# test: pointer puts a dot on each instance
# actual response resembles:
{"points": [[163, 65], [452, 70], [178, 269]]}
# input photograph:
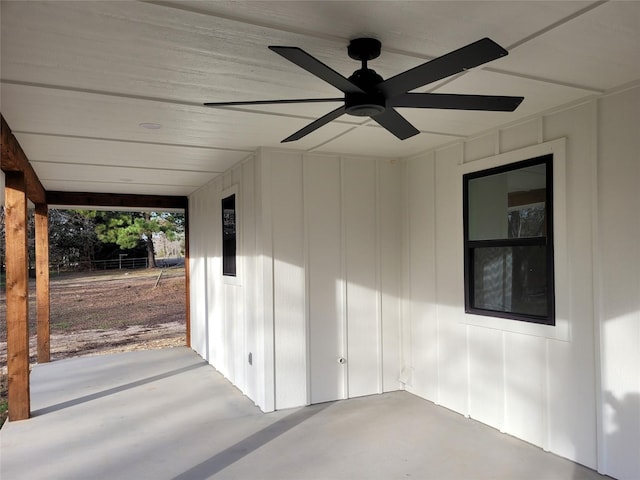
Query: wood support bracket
{"points": [[13, 159]]}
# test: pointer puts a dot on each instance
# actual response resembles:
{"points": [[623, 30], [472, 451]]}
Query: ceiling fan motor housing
{"points": [[364, 104], [369, 103]]}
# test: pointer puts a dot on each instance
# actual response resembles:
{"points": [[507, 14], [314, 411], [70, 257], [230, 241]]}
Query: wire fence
{"points": [[122, 263]]}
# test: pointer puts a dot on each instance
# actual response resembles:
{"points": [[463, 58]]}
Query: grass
{"points": [[4, 404], [64, 325], [4, 409]]}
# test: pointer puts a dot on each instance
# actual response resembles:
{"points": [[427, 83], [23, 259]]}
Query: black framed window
{"points": [[508, 241], [229, 235]]}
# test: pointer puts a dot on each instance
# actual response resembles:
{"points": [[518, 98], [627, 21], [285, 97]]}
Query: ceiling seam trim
{"points": [[516, 75], [544, 80], [150, 99], [130, 167], [371, 123], [130, 96], [128, 184], [332, 138], [119, 140], [276, 114]]}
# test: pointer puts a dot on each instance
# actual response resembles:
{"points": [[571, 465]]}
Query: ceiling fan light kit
{"points": [[367, 94]]}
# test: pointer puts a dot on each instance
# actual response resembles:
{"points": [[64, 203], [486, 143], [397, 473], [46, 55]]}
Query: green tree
{"points": [[131, 229], [72, 238]]}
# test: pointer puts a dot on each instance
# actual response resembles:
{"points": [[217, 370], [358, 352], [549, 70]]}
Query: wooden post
{"points": [[17, 295], [42, 282], [187, 285]]}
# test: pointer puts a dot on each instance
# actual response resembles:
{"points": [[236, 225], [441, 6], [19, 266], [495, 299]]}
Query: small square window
{"points": [[508, 228]]}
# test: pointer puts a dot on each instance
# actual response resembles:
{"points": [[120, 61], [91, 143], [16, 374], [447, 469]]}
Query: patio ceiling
{"points": [[79, 78]]}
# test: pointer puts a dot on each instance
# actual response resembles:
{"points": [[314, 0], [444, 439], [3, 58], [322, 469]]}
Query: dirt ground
{"points": [[106, 312]]}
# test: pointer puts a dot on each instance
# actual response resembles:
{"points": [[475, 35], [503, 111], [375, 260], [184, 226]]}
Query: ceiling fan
{"points": [[366, 94]]}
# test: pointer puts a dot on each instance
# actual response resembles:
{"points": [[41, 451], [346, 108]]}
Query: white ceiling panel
{"points": [[600, 49], [96, 116], [426, 29], [372, 140], [46, 148], [56, 172], [78, 78], [538, 98]]}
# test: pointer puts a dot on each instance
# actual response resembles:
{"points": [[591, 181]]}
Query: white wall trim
{"points": [[598, 314], [561, 331]]}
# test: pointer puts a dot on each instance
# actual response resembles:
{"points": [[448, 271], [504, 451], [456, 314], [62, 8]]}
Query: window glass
{"points": [[229, 235], [508, 204], [509, 241], [511, 279]]}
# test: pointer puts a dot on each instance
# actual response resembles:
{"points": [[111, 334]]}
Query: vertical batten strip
{"points": [[43, 310], [406, 351], [434, 273], [187, 278], [467, 339], [598, 314], [307, 276], [378, 280], [546, 404], [344, 298], [505, 399], [17, 283]]}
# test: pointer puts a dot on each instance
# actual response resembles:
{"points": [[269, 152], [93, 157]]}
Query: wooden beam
{"points": [[13, 159], [17, 283], [88, 199], [187, 282], [42, 282]]}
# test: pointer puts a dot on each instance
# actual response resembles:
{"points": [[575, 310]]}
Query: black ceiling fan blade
{"points": [[470, 56], [316, 124], [396, 124], [316, 67], [494, 103], [273, 102]]}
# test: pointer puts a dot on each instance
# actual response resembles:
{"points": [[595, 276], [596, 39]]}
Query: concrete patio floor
{"points": [[166, 414]]}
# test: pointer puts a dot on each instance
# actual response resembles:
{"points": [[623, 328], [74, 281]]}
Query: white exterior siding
{"points": [[362, 258], [541, 387], [319, 274]]}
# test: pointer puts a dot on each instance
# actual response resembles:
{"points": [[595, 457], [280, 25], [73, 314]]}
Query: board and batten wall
{"points": [[361, 259], [573, 389], [227, 318], [336, 234], [317, 301], [618, 281]]}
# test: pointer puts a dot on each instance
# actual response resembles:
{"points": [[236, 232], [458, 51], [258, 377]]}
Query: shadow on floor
{"points": [[248, 445]]}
